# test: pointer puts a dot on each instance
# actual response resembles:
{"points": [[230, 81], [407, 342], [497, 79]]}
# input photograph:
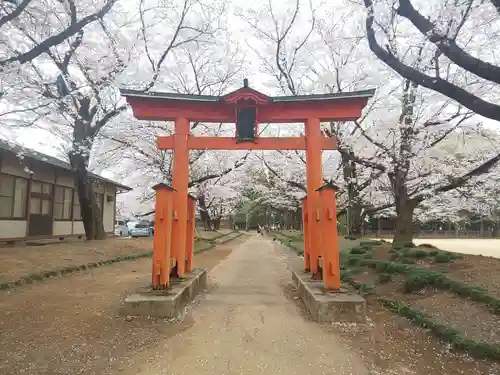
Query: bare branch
{"points": [[71, 30], [15, 13], [448, 45], [446, 88]]}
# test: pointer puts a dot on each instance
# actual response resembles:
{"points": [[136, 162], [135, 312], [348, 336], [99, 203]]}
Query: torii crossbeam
{"points": [[246, 108]]}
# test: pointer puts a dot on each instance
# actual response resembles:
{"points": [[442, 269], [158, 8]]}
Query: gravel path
{"points": [[245, 325]]}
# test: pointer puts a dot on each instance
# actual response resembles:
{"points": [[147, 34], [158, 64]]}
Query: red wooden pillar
{"points": [[191, 225], [180, 184], [163, 234], [314, 175], [329, 238], [305, 229]]}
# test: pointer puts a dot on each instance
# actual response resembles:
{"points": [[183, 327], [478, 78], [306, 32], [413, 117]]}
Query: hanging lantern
{"points": [[246, 121]]}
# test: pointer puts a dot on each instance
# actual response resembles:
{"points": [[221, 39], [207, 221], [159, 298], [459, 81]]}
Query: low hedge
{"points": [[293, 238], [478, 350], [39, 276], [289, 243], [215, 238], [418, 278]]}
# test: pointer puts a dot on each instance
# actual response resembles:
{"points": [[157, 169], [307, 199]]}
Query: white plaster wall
{"points": [[109, 210], [12, 228], [98, 189], [65, 180], [62, 228], [78, 227], [44, 176]]}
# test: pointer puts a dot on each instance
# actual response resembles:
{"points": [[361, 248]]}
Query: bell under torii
{"points": [[247, 108]]}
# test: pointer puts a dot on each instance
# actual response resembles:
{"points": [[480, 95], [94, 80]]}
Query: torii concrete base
{"points": [[329, 307], [166, 303]]}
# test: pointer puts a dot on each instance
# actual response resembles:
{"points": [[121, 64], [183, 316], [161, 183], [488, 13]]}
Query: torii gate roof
{"points": [[166, 106]]}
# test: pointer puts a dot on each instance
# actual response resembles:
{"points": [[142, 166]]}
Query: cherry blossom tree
{"points": [[211, 70], [462, 37], [30, 28], [76, 87], [320, 57], [387, 144]]}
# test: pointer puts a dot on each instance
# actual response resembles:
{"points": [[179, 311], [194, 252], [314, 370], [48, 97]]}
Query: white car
{"points": [[121, 228]]}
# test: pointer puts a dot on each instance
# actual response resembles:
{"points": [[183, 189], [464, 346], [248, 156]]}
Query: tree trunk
{"points": [[496, 230], [91, 214], [404, 223], [355, 221], [79, 159], [247, 222], [353, 216], [205, 216], [216, 223]]}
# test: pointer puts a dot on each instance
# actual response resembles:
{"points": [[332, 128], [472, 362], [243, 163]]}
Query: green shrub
{"points": [[446, 257], [433, 253], [365, 288], [478, 350], [406, 251], [442, 258], [346, 274], [407, 260], [419, 254], [353, 260], [371, 243], [394, 257], [387, 267], [443, 268], [352, 238], [417, 280], [357, 250]]}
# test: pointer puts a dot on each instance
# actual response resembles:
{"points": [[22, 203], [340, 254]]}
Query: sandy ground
{"points": [[22, 260], [246, 325], [69, 325], [475, 246]]}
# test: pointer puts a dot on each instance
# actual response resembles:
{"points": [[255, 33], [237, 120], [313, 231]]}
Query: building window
{"points": [[77, 212], [63, 199], [13, 193], [41, 198]]}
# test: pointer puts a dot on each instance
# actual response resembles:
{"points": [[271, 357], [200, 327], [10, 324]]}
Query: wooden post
{"points": [[329, 238], [314, 175], [180, 185], [162, 240], [190, 232], [305, 229]]}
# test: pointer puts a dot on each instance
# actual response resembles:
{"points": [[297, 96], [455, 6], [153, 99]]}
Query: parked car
{"points": [[121, 228], [141, 230]]}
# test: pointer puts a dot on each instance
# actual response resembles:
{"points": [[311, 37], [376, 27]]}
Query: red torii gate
{"points": [[175, 210]]}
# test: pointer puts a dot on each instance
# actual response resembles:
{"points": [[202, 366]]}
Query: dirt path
{"points": [[245, 325], [70, 325]]}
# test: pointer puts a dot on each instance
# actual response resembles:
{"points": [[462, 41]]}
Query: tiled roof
{"points": [[275, 99], [55, 162]]}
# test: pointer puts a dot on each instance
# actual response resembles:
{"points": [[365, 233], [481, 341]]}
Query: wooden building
{"points": [[38, 198]]}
